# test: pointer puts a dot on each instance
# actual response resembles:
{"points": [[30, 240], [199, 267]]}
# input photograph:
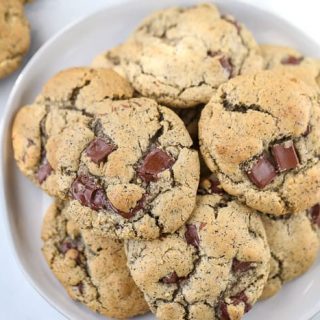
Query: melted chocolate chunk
{"points": [[154, 163], [315, 214], [170, 278], [285, 156], [241, 297], [224, 314], [99, 150], [226, 64], [91, 195], [292, 60], [262, 172], [240, 266], [44, 171], [192, 236]]}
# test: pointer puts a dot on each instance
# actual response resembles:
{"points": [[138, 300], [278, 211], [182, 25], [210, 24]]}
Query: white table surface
{"points": [[18, 300]]}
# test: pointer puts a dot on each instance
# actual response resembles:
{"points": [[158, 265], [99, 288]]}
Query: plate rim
{"points": [[6, 122]]}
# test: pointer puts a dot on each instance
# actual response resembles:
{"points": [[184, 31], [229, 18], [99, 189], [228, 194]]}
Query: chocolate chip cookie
{"points": [[129, 170], [294, 246], [69, 98], [307, 69], [179, 56], [91, 268], [14, 36], [214, 267], [259, 134]]}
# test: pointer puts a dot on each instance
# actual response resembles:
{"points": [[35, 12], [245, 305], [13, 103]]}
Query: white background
{"points": [[18, 300]]}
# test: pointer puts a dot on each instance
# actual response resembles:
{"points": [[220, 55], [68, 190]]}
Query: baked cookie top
{"points": [[214, 267], [259, 134], [294, 246], [305, 68], [14, 36], [93, 269], [128, 168], [179, 56]]}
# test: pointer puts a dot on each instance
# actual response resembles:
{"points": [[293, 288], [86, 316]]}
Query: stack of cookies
{"points": [[185, 167]]}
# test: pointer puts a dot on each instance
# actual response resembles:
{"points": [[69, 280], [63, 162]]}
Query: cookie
{"points": [[307, 69], [214, 267], [91, 268], [129, 170], [294, 246], [70, 97], [259, 134], [179, 56], [14, 36]]}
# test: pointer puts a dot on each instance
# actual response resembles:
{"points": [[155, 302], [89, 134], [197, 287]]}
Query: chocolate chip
{"points": [[315, 214], [224, 314], [285, 155], [292, 60], [262, 172], [44, 171], [226, 64], [240, 266], [212, 54], [192, 236], [170, 278], [99, 150], [154, 163], [91, 195], [68, 244], [241, 297]]}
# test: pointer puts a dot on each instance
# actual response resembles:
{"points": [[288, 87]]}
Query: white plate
{"points": [[77, 45]]}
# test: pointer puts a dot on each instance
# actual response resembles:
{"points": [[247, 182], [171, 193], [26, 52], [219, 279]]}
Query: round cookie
{"points": [[70, 97], [259, 134], [214, 267], [179, 56], [14, 36], [126, 164], [306, 69], [294, 246], [91, 268]]}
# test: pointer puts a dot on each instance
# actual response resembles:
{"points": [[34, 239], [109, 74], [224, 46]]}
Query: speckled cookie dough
{"points": [[129, 170], [305, 68], [14, 36], [294, 246], [260, 135], [179, 56], [214, 267], [93, 269]]}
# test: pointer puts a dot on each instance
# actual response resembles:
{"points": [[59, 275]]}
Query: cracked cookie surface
{"points": [[214, 267], [294, 246], [93, 269], [259, 134], [179, 56], [14, 36], [126, 165], [305, 68]]}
